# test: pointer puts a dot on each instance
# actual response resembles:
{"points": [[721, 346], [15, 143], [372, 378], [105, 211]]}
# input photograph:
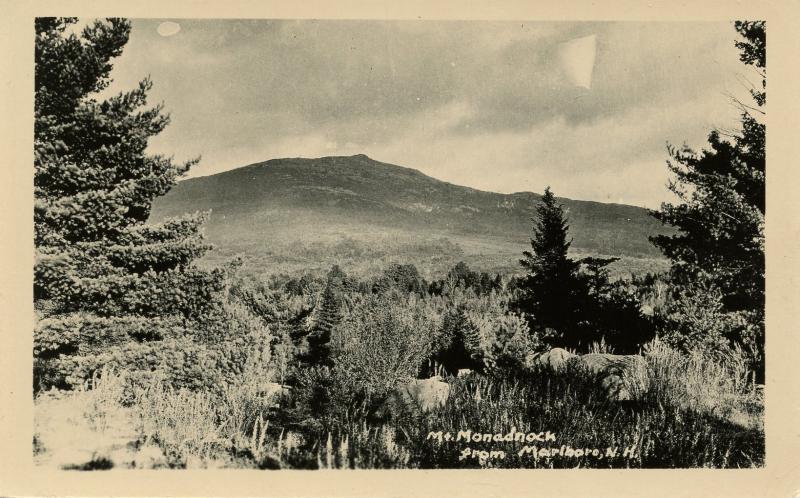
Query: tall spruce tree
{"points": [[105, 283], [553, 291], [329, 315], [720, 215]]}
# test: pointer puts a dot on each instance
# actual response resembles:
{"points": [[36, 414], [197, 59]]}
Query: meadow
{"points": [[280, 411]]}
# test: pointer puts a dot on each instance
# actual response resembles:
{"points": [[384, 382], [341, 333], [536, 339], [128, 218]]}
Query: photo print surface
{"points": [[375, 244]]}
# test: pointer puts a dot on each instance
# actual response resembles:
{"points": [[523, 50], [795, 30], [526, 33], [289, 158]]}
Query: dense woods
{"points": [[303, 370]]}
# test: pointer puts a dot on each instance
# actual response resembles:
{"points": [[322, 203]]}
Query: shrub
{"points": [[382, 342], [204, 359], [505, 344], [695, 320], [457, 342]]}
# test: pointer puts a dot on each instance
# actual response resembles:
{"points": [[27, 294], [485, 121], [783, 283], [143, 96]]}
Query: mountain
{"points": [[291, 214]]}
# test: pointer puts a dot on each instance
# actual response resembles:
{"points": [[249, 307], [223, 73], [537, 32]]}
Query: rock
{"points": [[463, 372], [622, 377], [554, 360], [415, 398], [273, 391]]}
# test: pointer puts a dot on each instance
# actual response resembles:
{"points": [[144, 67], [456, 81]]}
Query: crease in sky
{"points": [[586, 108]]}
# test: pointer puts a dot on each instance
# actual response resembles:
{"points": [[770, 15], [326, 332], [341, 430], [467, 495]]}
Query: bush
{"points": [[507, 348], [695, 320], [71, 351], [381, 342], [457, 343]]}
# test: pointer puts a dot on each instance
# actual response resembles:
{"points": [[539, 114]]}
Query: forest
{"points": [[165, 360]]}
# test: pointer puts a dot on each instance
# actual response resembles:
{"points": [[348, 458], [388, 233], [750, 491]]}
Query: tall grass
{"points": [[199, 428], [686, 411], [103, 396], [696, 412], [720, 388]]}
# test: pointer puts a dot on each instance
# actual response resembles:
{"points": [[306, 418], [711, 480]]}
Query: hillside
{"points": [[289, 214]]}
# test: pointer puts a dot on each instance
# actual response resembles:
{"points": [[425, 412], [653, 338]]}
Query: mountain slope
{"points": [[310, 211]]}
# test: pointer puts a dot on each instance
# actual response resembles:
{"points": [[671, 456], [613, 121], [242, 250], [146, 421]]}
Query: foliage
{"points": [[694, 320], [109, 283], [614, 315], [461, 276], [206, 425], [328, 314], [382, 342], [722, 202], [554, 294], [506, 345], [698, 412], [403, 277], [709, 382]]}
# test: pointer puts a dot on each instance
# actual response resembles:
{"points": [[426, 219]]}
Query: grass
{"points": [[695, 413], [199, 428], [663, 431]]}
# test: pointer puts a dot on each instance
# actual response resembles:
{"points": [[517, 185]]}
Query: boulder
{"points": [[273, 392], [622, 377], [415, 398], [273, 389], [554, 360]]}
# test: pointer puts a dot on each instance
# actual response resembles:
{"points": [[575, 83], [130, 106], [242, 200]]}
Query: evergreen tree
{"points": [[457, 345], [104, 281], [553, 292], [404, 278], [329, 315], [720, 215]]}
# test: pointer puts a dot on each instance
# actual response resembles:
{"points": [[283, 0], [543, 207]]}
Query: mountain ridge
{"points": [[299, 202], [407, 168]]}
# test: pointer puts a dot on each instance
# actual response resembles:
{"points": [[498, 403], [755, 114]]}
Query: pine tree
{"points": [[720, 215], [105, 283], [553, 292]]}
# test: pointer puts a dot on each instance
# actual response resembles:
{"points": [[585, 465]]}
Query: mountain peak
{"points": [[357, 194]]}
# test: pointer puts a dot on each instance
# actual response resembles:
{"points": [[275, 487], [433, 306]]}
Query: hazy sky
{"points": [[584, 107]]}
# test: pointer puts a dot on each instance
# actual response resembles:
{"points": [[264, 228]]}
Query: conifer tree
{"points": [[720, 215], [553, 292], [105, 283], [330, 314]]}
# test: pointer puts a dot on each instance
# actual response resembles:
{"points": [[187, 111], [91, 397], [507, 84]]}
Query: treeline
{"points": [[399, 276]]}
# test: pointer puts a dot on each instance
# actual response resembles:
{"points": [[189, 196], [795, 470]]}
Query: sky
{"points": [[585, 108]]}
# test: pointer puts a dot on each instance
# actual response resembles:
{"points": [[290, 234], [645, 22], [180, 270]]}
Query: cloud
{"points": [[496, 105]]}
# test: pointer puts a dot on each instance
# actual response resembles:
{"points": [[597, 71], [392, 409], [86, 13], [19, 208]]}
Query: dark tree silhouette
{"points": [[720, 215], [553, 293]]}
